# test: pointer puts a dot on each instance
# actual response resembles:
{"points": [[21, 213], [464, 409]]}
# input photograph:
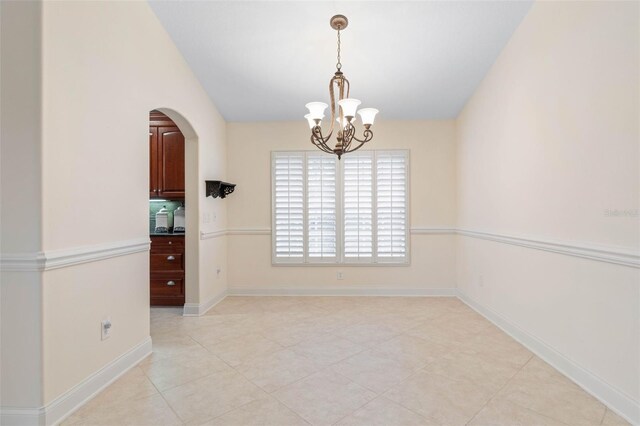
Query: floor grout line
{"points": [[506, 383], [281, 316], [383, 394]]}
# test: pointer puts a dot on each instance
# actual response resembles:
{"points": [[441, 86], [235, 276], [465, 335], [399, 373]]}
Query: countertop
{"points": [[166, 234]]}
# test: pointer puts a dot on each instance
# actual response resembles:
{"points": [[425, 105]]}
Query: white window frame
{"points": [[340, 258]]}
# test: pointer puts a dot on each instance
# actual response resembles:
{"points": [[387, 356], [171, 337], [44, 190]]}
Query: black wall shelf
{"points": [[218, 188]]}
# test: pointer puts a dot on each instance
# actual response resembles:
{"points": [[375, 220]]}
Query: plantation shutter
{"points": [[391, 205], [351, 211], [358, 206], [288, 209], [321, 207]]}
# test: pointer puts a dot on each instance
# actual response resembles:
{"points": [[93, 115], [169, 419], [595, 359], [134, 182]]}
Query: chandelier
{"points": [[343, 110]]}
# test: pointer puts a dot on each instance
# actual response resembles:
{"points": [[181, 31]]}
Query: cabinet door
{"points": [[153, 162], [171, 156]]}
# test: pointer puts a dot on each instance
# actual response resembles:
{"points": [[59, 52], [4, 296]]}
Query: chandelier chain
{"points": [[338, 64]]}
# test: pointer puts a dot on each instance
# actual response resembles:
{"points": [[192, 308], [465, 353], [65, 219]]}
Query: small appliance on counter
{"points": [[178, 220], [162, 221]]}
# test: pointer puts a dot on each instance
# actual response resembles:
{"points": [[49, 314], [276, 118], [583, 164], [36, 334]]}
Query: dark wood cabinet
{"points": [[171, 160], [153, 162], [166, 180], [166, 155], [167, 270]]}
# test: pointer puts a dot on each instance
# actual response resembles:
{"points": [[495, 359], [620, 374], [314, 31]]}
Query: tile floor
{"points": [[339, 360]]}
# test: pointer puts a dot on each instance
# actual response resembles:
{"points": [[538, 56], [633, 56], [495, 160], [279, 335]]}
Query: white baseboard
{"points": [[22, 417], [619, 402], [74, 398], [197, 309], [342, 292]]}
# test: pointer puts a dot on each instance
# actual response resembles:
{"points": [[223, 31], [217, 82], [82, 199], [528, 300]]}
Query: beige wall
{"points": [[432, 181], [105, 65], [545, 146], [20, 208]]}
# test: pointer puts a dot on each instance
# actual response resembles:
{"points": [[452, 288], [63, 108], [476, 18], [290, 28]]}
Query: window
{"points": [[350, 211]]}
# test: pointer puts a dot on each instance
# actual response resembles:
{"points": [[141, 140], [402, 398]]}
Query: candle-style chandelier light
{"points": [[343, 111]]}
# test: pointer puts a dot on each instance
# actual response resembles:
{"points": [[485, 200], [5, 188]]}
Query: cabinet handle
{"points": [[170, 242], [171, 258], [170, 283]]}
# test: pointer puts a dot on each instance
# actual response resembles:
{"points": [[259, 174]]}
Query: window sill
{"points": [[346, 264]]}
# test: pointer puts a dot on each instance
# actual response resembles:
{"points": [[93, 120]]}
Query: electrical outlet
{"points": [[340, 275], [215, 217], [106, 328], [218, 270], [206, 218], [481, 280]]}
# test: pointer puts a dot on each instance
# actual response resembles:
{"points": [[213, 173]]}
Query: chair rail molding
{"points": [[249, 231], [617, 255], [54, 259], [438, 230], [206, 235]]}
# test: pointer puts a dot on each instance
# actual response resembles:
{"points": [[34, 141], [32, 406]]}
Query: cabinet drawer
{"points": [[166, 262], [167, 287], [167, 244]]}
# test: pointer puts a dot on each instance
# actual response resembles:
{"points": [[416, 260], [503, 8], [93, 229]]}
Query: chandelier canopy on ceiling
{"points": [[343, 110]]}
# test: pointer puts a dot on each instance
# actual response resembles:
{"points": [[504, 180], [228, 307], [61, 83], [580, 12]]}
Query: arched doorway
{"points": [[191, 202]]}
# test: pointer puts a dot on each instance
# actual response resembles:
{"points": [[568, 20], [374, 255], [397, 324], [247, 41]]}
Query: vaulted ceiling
{"points": [[264, 60]]}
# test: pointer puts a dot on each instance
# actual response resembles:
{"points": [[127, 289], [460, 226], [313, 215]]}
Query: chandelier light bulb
{"points": [[349, 106], [368, 115], [346, 123], [316, 110], [311, 121]]}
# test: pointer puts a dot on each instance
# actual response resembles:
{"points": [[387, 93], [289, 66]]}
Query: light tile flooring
{"points": [[339, 360]]}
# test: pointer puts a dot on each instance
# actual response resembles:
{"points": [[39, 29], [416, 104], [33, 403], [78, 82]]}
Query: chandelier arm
{"points": [[348, 135], [333, 81], [317, 133], [321, 146], [338, 109], [360, 145], [368, 135], [344, 86], [319, 141]]}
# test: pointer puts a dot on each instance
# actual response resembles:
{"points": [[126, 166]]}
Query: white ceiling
{"points": [[264, 60]]}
